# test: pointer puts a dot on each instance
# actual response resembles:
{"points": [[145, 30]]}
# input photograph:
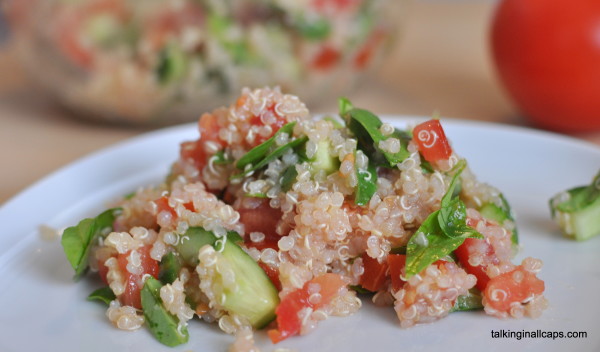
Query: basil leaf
{"points": [[367, 185], [220, 158], [272, 156], [344, 106], [428, 245], [260, 151], [365, 126], [77, 240], [169, 268], [163, 325], [458, 169], [442, 232], [103, 294], [288, 178]]}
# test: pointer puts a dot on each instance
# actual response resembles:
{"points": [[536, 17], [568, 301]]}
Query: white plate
{"points": [[42, 308]]}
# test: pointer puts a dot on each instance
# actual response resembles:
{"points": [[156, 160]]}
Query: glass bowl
{"points": [[159, 62]]}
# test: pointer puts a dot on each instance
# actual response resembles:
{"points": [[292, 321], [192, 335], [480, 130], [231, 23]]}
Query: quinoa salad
{"points": [[175, 58], [274, 220]]}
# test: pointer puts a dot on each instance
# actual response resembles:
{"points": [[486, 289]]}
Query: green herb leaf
{"points": [[272, 156], [288, 178], [442, 232], [428, 245], [365, 126], [162, 324], [103, 294], [169, 268], [262, 150], [220, 158], [367, 185], [77, 240]]}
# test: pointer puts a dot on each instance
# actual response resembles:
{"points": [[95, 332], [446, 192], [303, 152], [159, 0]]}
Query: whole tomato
{"points": [[548, 56]]}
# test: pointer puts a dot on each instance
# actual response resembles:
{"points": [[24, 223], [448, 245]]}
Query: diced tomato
{"points": [[288, 321], [365, 53], [162, 204], [256, 121], [374, 275], [133, 282], [463, 253], [272, 273], [195, 151], [103, 271], [432, 141], [510, 287], [261, 219], [396, 262], [326, 58]]}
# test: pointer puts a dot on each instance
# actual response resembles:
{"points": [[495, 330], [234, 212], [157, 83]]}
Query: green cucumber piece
{"points": [[323, 160], [500, 214], [254, 296]]}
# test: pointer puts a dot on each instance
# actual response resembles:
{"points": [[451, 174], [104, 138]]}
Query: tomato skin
{"points": [[432, 141], [133, 282], [547, 53]]}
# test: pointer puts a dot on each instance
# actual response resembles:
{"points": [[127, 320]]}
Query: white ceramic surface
{"points": [[43, 309]]}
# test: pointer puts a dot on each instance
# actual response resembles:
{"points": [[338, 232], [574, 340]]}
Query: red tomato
{"points": [[397, 262], [432, 141], [462, 252], [374, 275], [261, 219], [272, 273], [547, 54], [196, 150], [505, 289], [288, 321], [133, 282], [326, 58], [256, 121]]}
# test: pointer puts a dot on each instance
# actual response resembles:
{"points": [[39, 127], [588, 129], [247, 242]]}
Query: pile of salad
{"points": [[275, 220], [162, 61]]}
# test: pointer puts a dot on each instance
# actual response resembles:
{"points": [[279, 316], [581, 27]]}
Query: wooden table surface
{"points": [[441, 63]]}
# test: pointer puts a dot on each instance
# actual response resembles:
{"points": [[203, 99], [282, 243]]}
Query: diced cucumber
{"points": [[254, 296], [470, 301], [323, 160], [190, 243], [500, 214], [577, 213]]}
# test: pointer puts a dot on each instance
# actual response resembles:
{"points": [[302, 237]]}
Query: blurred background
{"points": [[70, 83]]}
